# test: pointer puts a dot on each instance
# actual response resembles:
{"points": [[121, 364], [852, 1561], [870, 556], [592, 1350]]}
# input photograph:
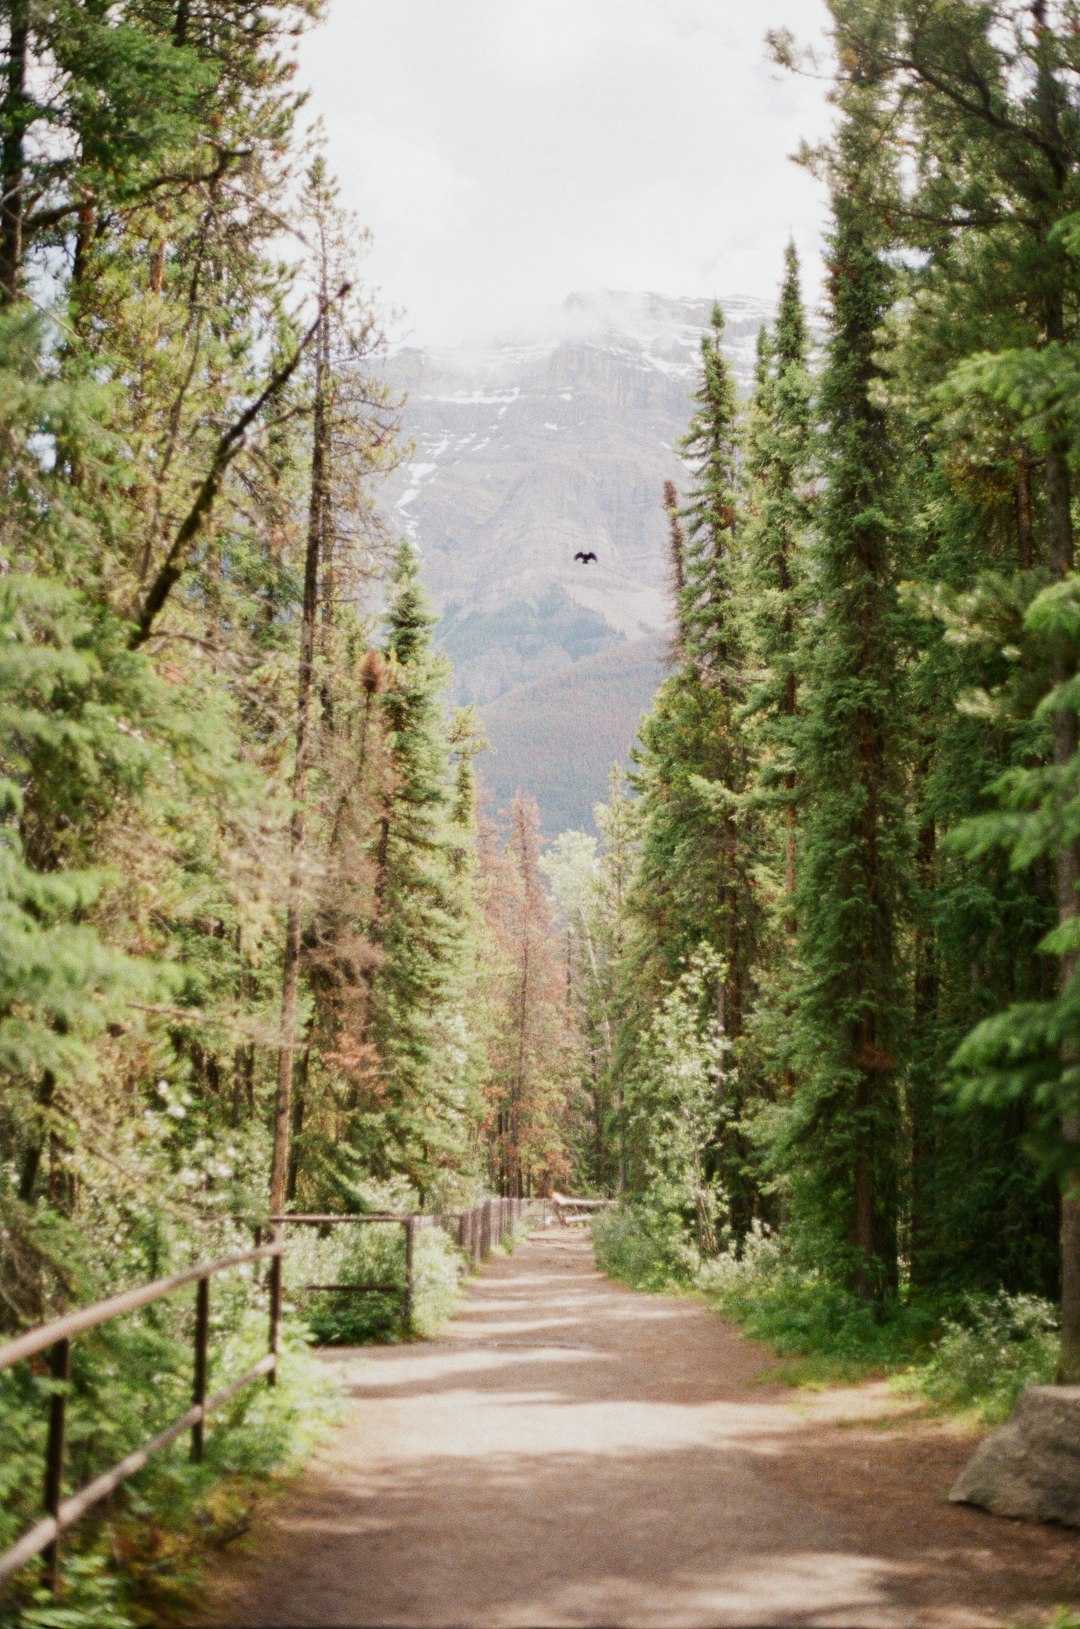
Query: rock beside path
{"points": [[1030, 1468]]}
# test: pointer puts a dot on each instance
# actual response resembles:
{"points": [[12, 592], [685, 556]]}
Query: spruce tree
{"points": [[778, 442], [416, 931], [693, 884], [842, 1124]]}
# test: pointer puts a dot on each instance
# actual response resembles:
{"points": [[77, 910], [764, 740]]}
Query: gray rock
{"points": [[1030, 1467]]}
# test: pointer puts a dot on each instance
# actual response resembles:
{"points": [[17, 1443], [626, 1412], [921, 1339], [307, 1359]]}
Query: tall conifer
{"points": [[853, 842]]}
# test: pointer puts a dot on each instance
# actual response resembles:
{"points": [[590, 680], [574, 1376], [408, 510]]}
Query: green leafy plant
{"points": [[993, 1348]]}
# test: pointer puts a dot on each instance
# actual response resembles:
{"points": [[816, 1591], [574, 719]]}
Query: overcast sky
{"points": [[507, 152]]}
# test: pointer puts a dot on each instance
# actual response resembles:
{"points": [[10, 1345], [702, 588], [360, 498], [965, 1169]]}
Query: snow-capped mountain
{"points": [[528, 451]]}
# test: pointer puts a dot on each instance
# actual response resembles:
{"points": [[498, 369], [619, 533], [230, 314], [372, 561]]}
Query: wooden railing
{"points": [[476, 1231], [56, 1339], [578, 1210]]}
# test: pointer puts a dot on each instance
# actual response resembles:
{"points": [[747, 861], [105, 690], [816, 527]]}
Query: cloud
{"points": [[505, 152]]}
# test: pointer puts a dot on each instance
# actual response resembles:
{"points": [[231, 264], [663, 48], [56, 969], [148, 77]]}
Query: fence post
{"points": [[275, 1308], [202, 1340], [60, 1369]]}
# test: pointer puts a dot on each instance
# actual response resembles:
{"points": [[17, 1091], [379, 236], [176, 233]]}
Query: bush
{"points": [[136, 1561], [642, 1249], [801, 1312], [365, 1253], [990, 1351], [373, 1254], [438, 1269]]}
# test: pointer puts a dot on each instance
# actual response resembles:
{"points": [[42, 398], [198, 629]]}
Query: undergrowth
{"points": [[139, 1565], [975, 1353], [373, 1254]]}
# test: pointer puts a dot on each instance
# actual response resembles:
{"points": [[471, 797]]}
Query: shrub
{"points": [[373, 1254], [136, 1562], [438, 1268], [800, 1311], [989, 1352], [349, 1254], [646, 1250]]}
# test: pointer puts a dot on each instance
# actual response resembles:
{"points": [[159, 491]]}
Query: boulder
{"points": [[1030, 1467]]}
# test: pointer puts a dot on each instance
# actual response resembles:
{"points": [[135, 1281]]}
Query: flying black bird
{"points": [[584, 556]]}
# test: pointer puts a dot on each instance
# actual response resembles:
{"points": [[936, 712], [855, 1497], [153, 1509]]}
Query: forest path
{"points": [[574, 1453]]}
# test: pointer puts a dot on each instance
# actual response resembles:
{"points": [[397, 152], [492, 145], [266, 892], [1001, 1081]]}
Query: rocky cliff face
{"points": [[526, 453]]}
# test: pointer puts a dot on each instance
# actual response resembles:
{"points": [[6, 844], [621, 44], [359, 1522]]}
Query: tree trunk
{"points": [[12, 152], [921, 1100], [32, 1160], [1024, 530], [290, 987], [299, 1105], [1060, 538]]}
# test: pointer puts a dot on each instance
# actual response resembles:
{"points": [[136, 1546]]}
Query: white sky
{"points": [[506, 152]]}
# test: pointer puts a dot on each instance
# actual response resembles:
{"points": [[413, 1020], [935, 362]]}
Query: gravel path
{"points": [[573, 1453]]}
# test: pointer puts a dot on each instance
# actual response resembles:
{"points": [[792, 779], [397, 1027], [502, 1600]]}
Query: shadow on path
{"points": [[573, 1453]]}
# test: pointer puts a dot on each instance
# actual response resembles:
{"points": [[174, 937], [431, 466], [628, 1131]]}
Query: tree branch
{"points": [[172, 567]]}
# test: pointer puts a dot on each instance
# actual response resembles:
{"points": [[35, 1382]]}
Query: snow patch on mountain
{"points": [[542, 444]]}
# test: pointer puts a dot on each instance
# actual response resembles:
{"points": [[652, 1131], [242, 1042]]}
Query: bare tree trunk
{"points": [[13, 151], [290, 985]]}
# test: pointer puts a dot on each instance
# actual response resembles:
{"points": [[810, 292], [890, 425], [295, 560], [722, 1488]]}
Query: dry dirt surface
{"points": [[574, 1453]]}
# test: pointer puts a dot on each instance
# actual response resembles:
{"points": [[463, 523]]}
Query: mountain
{"points": [[526, 452], [558, 738]]}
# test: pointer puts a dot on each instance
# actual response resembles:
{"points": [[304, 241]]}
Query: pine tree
{"points": [[771, 592], [842, 1125], [418, 935]]}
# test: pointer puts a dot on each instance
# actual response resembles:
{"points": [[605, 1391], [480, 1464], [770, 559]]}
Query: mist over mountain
{"points": [[526, 452]]}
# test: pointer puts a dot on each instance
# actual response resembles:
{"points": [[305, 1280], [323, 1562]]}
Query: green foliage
{"points": [[989, 1351], [363, 1254], [372, 1254], [680, 1099], [438, 1268], [646, 1250], [976, 1353], [161, 1521], [803, 1312]]}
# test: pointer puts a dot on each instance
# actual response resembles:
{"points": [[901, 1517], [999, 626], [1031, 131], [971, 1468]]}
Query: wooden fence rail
{"points": [[56, 1339], [477, 1231]]}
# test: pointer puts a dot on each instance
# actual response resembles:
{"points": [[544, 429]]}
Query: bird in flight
{"points": [[585, 555]]}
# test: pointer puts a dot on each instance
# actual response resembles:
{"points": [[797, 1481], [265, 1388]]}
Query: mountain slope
{"points": [[558, 738], [527, 452]]}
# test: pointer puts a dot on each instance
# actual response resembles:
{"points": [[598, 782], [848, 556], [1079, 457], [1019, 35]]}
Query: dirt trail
{"points": [[573, 1453]]}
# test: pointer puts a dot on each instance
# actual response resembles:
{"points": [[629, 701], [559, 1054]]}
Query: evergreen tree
{"points": [[417, 934], [693, 884], [841, 1128], [772, 596]]}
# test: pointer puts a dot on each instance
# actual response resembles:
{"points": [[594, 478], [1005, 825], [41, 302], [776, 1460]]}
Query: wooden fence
{"points": [[478, 1231]]}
